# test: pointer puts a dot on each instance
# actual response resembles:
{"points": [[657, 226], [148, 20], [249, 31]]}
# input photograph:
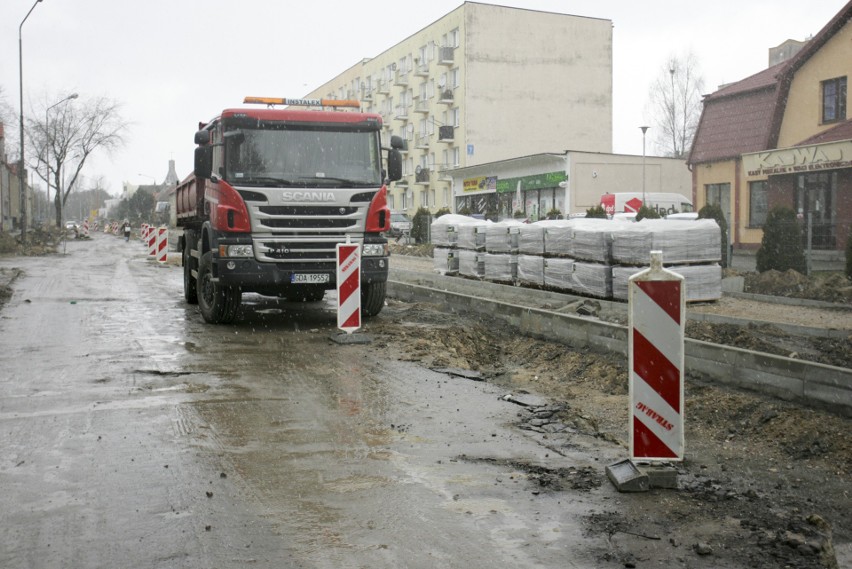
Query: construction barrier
{"points": [[151, 240], [162, 244], [348, 287], [657, 313]]}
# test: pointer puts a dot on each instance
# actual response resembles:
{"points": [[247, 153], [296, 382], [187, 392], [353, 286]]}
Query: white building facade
{"points": [[485, 83], [568, 183]]}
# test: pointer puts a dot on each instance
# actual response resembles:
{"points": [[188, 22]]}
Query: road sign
{"points": [[348, 287], [655, 352]]}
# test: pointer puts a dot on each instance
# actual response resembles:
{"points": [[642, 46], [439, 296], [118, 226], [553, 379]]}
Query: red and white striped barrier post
{"points": [[348, 286], [657, 312], [152, 242], [86, 227], [162, 244], [143, 232]]}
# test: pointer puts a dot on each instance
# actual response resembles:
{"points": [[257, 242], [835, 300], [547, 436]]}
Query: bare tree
{"points": [[675, 104], [63, 140]]}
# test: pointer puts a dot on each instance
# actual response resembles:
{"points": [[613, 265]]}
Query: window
{"points": [[454, 78], [716, 192], [455, 115], [758, 194], [834, 100], [424, 198], [453, 38], [456, 156]]}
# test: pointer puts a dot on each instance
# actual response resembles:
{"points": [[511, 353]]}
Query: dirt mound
{"points": [[832, 287]]}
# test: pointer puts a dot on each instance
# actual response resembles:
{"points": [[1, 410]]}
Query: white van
{"points": [[630, 202]]}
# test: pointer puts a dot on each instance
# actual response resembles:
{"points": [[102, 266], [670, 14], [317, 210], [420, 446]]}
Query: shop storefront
{"points": [[815, 181]]}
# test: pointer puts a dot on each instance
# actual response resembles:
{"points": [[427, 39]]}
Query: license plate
{"points": [[309, 278]]}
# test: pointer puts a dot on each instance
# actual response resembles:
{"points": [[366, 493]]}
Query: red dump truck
{"points": [[274, 190]]}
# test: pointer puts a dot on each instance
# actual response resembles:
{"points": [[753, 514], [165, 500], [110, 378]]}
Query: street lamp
{"points": [[21, 178], [644, 130], [47, 150]]}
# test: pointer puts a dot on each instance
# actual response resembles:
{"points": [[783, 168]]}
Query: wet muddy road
{"points": [[135, 435]]}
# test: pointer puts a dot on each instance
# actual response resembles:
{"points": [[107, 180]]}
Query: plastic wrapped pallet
{"points": [[531, 239], [470, 263], [472, 235], [557, 237], [698, 241], [446, 261], [530, 270], [594, 279], [557, 271], [591, 239], [445, 229], [703, 282], [502, 237], [500, 267]]}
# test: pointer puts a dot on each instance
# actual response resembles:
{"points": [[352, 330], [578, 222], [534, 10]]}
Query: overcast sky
{"points": [[173, 63]]}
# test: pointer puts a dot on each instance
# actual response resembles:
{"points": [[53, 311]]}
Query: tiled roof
{"points": [[842, 131], [735, 122]]}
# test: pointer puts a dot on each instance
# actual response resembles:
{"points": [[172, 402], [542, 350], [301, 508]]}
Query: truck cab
{"points": [[274, 191]]}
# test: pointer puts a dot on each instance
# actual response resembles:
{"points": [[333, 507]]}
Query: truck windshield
{"points": [[280, 156]]}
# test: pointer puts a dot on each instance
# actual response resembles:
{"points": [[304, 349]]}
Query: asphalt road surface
{"points": [[136, 435]]}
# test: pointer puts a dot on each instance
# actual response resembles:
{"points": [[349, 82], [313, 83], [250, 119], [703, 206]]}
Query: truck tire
{"points": [[373, 298], [218, 303], [190, 285]]}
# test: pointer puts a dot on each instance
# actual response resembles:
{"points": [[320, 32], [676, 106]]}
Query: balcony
{"points": [[367, 94], [421, 175], [422, 70], [422, 141], [422, 107], [446, 133], [447, 97], [383, 87], [446, 56], [401, 79], [400, 112]]}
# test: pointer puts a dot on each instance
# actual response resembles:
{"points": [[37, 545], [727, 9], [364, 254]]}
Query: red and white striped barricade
{"points": [[657, 312], [143, 232], [152, 242], [348, 286], [162, 244], [86, 227]]}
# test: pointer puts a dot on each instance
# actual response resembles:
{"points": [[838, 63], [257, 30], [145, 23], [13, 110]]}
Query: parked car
{"points": [[400, 225], [71, 225]]}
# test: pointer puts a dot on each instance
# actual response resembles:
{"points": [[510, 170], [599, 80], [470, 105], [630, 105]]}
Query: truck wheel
{"points": [[373, 298], [190, 285], [218, 304]]}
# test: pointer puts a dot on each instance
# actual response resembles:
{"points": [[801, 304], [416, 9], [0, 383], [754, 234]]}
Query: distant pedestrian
{"points": [[127, 231]]}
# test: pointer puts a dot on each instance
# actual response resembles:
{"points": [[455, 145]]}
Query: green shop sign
{"points": [[538, 181]]}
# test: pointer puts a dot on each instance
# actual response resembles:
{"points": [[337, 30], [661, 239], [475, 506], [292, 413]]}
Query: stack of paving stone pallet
{"points": [[594, 257], [692, 249], [459, 241]]}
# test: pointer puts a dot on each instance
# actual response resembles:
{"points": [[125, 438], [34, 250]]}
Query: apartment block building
{"points": [[485, 83]]}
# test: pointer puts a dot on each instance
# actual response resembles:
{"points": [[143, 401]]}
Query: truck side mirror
{"points": [[202, 137], [203, 161], [394, 165], [399, 143]]}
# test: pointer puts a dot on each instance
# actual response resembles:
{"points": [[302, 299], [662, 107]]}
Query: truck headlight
{"points": [[375, 250], [236, 251]]}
